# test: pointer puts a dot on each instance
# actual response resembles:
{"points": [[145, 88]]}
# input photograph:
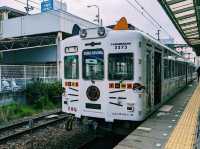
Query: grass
{"points": [[16, 110], [39, 95]]}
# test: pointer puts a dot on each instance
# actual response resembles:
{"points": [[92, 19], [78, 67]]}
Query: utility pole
{"points": [[98, 13], [28, 8], [158, 34], [101, 22]]}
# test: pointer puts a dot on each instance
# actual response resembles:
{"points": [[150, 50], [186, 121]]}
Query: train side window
{"points": [[120, 66], [179, 69], [184, 64], [71, 68], [166, 69], [173, 69], [176, 69], [165, 52], [170, 69]]}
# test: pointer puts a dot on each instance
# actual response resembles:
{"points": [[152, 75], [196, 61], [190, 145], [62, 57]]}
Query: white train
{"points": [[120, 74]]}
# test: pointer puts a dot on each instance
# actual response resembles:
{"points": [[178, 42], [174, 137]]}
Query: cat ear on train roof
{"points": [[122, 24]]}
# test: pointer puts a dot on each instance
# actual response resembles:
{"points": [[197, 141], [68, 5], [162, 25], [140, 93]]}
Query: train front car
{"points": [[103, 75]]}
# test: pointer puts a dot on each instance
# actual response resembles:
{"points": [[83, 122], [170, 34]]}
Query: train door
{"points": [[148, 80], [157, 78], [92, 94]]}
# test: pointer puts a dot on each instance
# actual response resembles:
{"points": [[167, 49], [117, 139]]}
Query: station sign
{"points": [[46, 5]]}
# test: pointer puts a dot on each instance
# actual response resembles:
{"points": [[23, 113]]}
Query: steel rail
{"points": [[24, 122], [18, 126]]}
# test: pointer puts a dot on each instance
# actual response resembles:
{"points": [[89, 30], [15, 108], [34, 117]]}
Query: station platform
{"points": [[173, 126]]}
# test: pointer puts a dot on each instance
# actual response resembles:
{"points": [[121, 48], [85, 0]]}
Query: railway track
{"points": [[79, 140], [28, 126]]}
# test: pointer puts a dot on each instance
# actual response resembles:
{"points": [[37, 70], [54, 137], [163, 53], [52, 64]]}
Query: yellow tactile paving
{"points": [[184, 134]]}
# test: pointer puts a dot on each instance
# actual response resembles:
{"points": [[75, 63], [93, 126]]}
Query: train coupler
{"points": [[70, 123]]}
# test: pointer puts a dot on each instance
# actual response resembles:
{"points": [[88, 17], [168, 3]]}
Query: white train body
{"points": [[119, 75]]}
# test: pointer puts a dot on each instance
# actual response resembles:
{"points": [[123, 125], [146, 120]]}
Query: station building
{"points": [[30, 45], [35, 39]]}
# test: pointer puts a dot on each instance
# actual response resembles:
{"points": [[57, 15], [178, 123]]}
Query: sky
{"points": [[112, 10]]}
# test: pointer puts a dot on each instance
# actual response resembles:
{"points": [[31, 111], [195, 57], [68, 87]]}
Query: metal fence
{"points": [[16, 77]]}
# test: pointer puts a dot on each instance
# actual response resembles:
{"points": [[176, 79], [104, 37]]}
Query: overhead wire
{"points": [[160, 26], [152, 20], [131, 4], [65, 13], [63, 17]]}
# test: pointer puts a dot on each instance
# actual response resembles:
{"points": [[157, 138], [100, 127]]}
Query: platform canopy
{"points": [[185, 14]]}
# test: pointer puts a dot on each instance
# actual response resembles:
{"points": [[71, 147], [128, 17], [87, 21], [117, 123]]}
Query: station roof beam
{"points": [[185, 15]]}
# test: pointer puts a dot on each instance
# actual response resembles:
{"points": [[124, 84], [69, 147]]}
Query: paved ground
{"points": [[155, 131]]}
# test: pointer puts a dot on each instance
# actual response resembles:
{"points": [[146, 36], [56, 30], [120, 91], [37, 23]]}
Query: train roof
{"points": [[157, 42], [143, 34], [123, 24]]}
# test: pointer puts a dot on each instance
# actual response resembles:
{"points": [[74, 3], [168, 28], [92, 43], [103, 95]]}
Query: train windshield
{"points": [[120, 66], [71, 69], [93, 64]]}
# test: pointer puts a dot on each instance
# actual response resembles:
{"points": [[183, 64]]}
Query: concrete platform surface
{"points": [[154, 132]]}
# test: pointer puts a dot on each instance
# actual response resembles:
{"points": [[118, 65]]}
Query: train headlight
{"points": [[101, 31], [83, 33]]}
